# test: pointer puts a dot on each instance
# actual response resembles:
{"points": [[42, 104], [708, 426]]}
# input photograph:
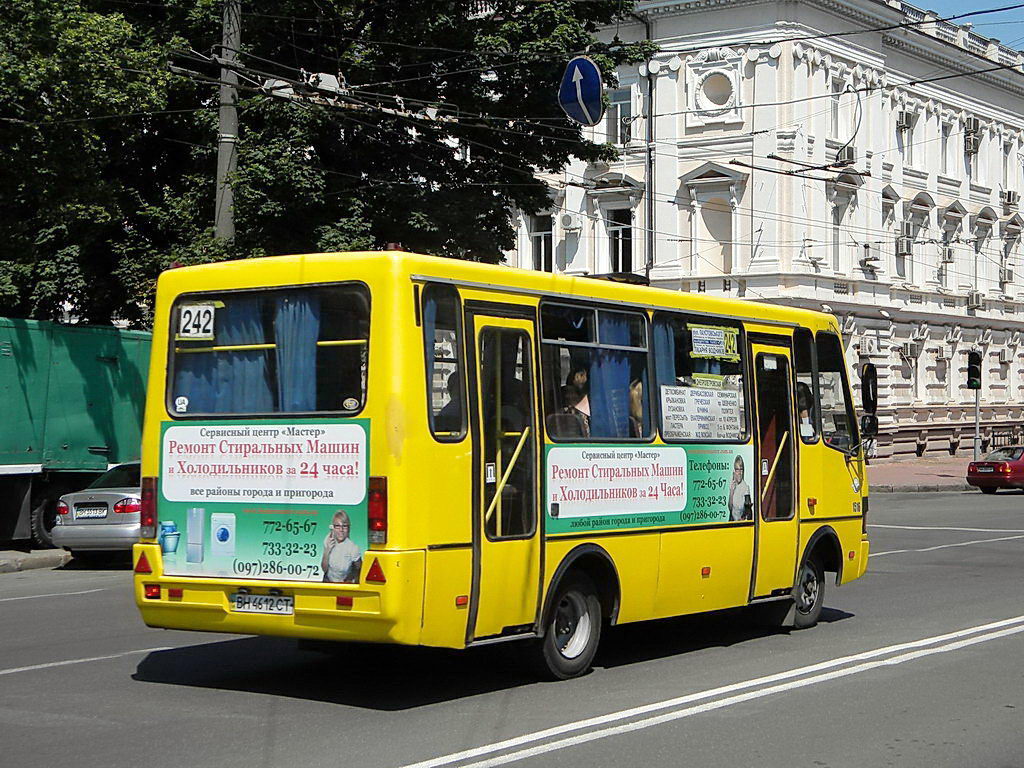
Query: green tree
{"points": [[112, 156]]}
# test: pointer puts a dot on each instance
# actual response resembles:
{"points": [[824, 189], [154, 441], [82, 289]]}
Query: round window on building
{"points": [[717, 89]]}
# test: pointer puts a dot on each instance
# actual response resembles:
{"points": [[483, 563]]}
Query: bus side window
{"points": [[442, 341], [838, 428], [803, 360], [594, 368], [698, 367]]}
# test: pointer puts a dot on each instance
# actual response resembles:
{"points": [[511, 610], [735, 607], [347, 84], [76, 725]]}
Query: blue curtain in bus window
{"points": [[609, 379], [296, 330], [242, 383], [664, 356], [194, 376]]}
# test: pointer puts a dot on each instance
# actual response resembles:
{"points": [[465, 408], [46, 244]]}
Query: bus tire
{"points": [[573, 629], [988, 489], [809, 593]]}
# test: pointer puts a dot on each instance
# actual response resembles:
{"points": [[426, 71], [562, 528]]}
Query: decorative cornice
{"points": [[923, 52]]}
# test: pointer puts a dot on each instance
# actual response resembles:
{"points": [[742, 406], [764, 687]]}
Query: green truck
{"points": [[71, 403]]}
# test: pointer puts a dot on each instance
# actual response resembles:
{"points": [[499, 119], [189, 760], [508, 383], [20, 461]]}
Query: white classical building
{"points": [[795, 157]]}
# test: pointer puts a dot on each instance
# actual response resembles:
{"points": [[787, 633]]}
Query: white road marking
{"points": [[67, 662], [711, 693], [946, 528], [52, 594], [945, 546], [738, 699]]}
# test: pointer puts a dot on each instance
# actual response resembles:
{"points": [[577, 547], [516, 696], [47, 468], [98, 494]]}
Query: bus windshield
{"points": [[270, 351]]}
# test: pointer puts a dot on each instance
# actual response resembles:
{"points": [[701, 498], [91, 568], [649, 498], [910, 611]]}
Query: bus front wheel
{"points": [[809, 593], [573, 629]]}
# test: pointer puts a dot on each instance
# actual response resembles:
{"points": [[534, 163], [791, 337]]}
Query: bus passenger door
{"points": [[506, 541], [777, 523]]}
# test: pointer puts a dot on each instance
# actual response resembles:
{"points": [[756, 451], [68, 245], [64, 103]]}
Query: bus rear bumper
{"points": [[381, 613]]}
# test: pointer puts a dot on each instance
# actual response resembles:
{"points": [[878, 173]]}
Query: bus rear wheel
{"points": [[573, 629], [809, 593]]}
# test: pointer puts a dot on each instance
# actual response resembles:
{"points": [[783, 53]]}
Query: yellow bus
{"points": [[397, 448]]}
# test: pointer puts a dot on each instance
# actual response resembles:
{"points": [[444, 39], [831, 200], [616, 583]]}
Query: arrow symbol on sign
{"points": [[577, 77]]}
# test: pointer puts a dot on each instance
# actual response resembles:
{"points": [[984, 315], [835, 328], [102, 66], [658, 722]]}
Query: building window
{"points": [[620, 116], [945, 257], [620, 239], [947, 131], [1007, 149], [835, 105], [905, 141], [541, 242], [837, 246]]}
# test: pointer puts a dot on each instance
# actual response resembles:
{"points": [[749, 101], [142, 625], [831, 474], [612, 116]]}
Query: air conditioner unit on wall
{"points": [[904, 121], [1005, 356], [847, 155], [906, 229], [947, 254], [1010, 198], [904, 246], [971, 125], [571, 222], [1006, 274], [942, 352], [975, 300], [910, 350], [972, 143], [869, 256]]}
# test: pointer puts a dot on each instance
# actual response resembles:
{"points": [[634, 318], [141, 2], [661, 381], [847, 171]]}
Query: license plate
{"points": [[82, 513], [985, 469], [277, 604]]}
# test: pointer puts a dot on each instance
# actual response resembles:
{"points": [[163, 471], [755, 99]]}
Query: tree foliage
{"points": [[111, 156]]}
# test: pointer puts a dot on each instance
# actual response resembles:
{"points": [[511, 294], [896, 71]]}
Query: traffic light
{"points": [[974, 370]]}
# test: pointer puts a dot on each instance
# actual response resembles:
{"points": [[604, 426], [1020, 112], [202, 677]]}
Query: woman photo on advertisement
{"points": [[342, 559], [739, 493]]}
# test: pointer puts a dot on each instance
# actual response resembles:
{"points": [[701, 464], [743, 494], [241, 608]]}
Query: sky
{"points": [[1006, 26]]}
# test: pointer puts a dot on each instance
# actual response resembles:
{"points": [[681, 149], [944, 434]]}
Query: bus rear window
{"points": [[292, 350]]}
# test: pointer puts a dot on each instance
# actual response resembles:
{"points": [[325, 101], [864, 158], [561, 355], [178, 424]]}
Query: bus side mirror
{"points": [[869, 389], [868, 425]]}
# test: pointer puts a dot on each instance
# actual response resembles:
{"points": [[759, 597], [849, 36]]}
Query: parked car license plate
{"points": [[984, 469], [82, 513], [279, 604]]}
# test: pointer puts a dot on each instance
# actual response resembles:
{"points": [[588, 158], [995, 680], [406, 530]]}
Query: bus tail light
{"points": [[378, 510], [147, 510], [151, 591]]}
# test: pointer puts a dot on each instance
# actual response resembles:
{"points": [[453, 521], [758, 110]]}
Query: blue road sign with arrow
{"points": [[581, 91]]}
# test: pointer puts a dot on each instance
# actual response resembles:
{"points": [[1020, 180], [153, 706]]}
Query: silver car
{"points": [[104, 516]]}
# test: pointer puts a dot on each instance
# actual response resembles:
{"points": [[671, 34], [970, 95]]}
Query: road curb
{"points": [[919, 488], [12, 561]]}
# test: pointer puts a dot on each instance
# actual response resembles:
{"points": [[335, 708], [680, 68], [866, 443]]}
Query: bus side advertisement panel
{"points": [[264, 499], [602, 487]]}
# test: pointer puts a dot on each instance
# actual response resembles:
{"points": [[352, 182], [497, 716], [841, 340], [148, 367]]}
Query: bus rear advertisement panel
{"points": [[267, 499]]}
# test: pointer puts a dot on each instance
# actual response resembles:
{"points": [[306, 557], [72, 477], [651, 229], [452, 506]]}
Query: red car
{"points": [[1003, 468]]}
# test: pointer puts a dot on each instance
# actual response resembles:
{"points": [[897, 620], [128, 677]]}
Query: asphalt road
{"points": [[917, 664]]}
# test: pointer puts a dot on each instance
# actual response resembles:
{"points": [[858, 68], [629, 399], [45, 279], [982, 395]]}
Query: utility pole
{"points": [[227, 131]]}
